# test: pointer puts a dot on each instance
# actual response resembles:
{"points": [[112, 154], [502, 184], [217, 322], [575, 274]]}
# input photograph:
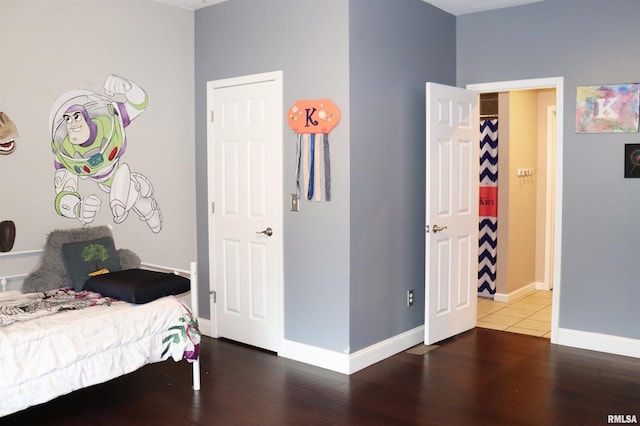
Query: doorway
{"points": [[548, 273], [244, 144]]}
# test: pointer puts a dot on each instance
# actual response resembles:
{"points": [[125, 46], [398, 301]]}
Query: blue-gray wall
{"points": [[395, 48], [347, 263], [308, 40], [588, 42]]}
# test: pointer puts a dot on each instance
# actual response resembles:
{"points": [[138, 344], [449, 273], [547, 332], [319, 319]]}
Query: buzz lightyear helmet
{"points": [[94, 104]]}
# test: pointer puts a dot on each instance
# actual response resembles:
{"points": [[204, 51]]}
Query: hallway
{"points": [[529, 314]]}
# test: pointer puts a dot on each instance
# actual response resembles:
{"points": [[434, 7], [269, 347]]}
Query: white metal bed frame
{"points": [[192, 274]]}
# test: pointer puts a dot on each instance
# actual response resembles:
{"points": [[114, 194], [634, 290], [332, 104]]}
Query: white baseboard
{"points": [[382, 350], [541, 285], [502, 297], [319, 357], [350, 363], [599, 342]]}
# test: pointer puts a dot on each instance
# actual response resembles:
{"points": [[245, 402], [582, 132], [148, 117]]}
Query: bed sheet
{"points": [[46, 357]]}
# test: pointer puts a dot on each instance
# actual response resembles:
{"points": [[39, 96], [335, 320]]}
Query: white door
{"points": [[245, 194], [451, 237]]}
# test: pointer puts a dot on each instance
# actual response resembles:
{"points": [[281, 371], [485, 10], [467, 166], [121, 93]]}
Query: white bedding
{"points": [[46, 357]]}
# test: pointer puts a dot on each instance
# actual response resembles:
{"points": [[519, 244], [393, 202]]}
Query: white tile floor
{"points": [[529, 314]]}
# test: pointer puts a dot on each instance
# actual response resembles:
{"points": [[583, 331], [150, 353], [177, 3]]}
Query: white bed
{"points": [[49, 356]]}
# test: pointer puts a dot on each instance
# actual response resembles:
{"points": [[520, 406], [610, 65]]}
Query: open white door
{"points": [[245, 226], [451, 239]]}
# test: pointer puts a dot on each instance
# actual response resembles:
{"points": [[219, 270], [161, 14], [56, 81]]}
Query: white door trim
{"points": [[277, 78], [544, 83], [550, 206]]}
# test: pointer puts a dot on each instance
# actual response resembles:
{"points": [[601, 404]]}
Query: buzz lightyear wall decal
{"points": [[312, 120], [88, 140]]}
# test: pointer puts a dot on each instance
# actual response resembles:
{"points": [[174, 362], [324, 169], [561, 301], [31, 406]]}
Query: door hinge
{"points": [[213, 207], [213, 294], [212, 116]]}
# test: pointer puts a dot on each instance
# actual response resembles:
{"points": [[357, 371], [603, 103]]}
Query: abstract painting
{"points": [[607, 108]]}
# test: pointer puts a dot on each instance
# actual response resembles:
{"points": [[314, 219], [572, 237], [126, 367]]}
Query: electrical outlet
{"points": [[294, 205], [410, 298]]}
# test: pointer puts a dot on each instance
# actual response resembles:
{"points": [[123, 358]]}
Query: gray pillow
{"points": [[51, 273], [85, 257], [128, 259]]}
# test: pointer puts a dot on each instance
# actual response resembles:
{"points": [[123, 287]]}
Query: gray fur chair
{"points": [[51, 272]]}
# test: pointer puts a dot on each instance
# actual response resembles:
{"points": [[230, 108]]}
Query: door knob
{"points": [[437, 228], [268, 232]]}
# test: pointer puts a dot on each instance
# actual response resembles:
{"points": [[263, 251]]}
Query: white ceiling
{"points": [[455, 7], [460, 7]]}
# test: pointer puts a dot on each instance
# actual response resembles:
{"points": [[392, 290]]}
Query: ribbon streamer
{"points": [[327, 169], [313, 167], [312, 164]]}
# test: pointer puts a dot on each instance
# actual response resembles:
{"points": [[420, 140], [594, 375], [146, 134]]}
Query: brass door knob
{"points": [[437, 228], [268, 232]]}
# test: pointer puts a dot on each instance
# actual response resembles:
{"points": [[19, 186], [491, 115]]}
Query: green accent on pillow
{"points": [[84, 257]]}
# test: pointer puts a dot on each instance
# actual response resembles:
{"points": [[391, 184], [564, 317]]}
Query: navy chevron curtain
{"points": [[488, 211]]}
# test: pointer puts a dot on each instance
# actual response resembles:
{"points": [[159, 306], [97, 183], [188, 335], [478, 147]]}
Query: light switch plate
{"points": [[294, 204]]}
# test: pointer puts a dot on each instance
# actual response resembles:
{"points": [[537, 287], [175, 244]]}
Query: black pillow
{"points": [[138, 285], [84, 257]]}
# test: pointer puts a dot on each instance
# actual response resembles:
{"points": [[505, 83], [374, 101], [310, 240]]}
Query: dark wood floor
{"points": [[483, 377]]}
